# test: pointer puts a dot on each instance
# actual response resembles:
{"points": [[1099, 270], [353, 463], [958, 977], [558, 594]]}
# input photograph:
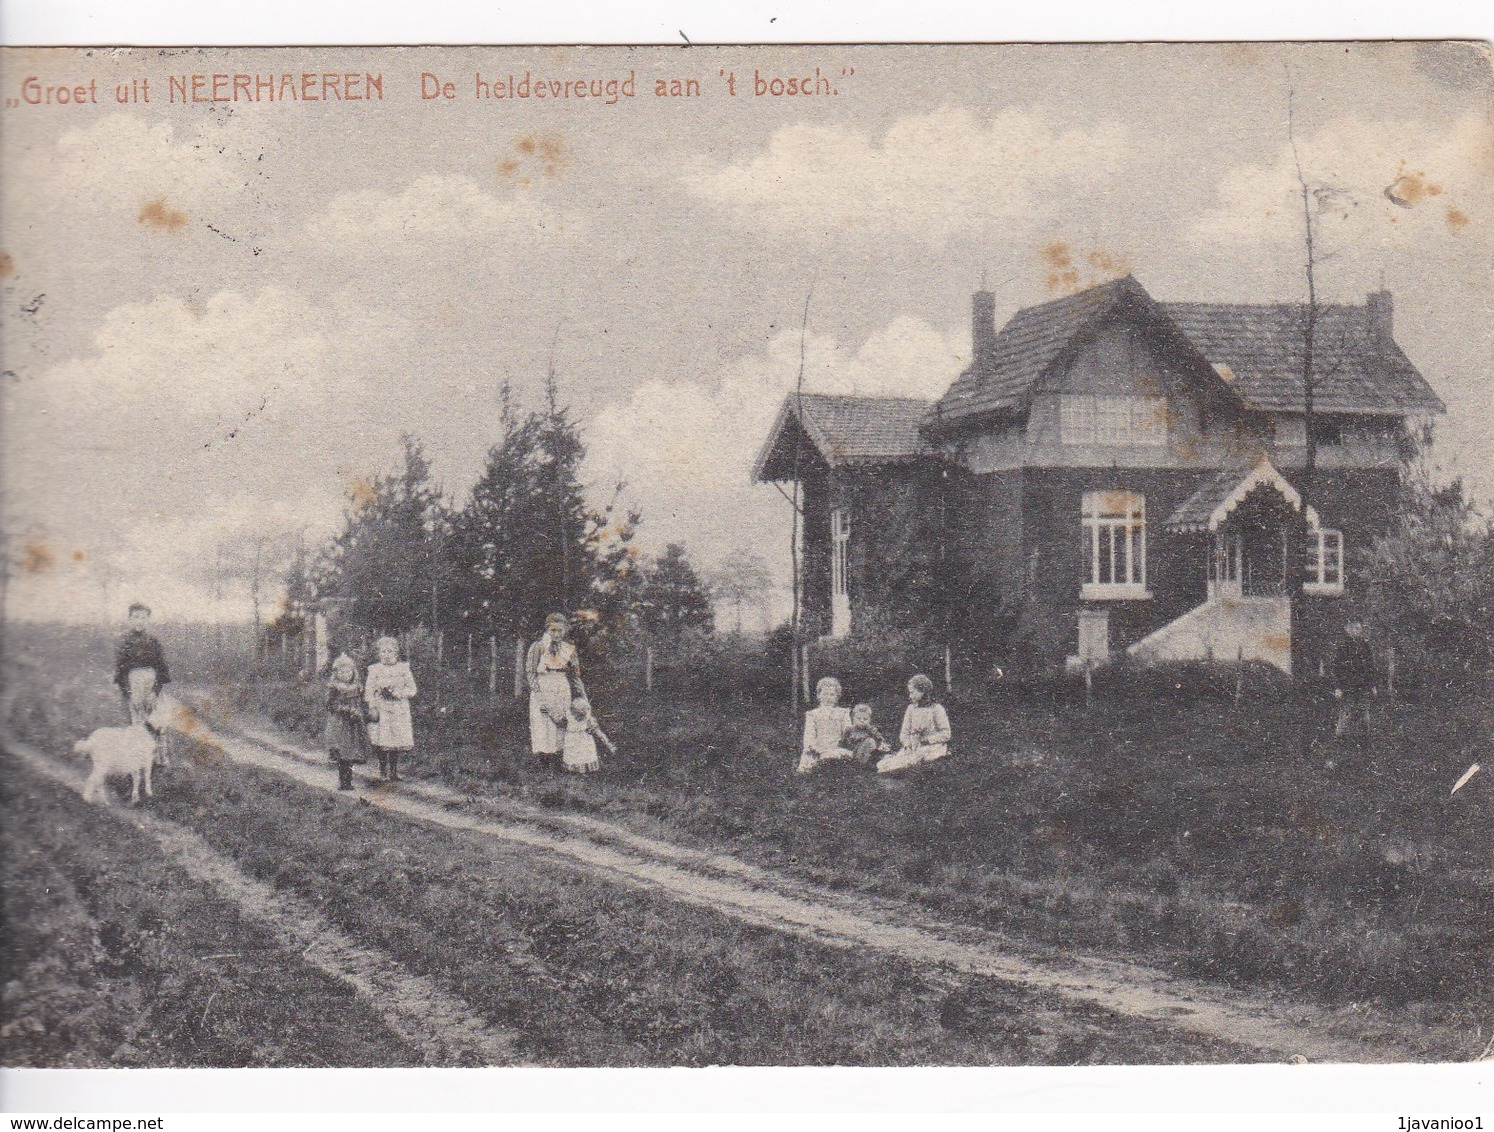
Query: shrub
{"points": [[1431, 585], [879, 654], [693, 660]]}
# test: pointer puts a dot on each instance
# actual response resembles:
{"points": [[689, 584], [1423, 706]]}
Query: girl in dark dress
{"points": [[346, 732]]}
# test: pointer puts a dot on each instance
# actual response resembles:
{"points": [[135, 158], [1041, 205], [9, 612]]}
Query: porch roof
{"points": [[1220, 494]]}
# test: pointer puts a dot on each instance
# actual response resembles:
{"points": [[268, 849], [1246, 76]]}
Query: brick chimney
{"points": [[1380, 310], [983, 331]]}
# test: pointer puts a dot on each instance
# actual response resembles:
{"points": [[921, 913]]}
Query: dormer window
{"points": [[1112, 421]]}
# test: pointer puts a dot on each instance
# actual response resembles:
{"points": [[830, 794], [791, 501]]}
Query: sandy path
{"points": [[758, 896], [441, 1026]]}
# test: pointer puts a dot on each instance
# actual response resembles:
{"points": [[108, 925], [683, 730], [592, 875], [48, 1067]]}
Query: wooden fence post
{"points": [[519, 673], [648, 668], [1239, 673], [469, 652], [1390, 674], [440, 648], [492, 665], [1089, 682], [794, 673], [948, 671], [804, 673]]}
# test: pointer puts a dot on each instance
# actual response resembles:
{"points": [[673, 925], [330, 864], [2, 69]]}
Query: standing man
{"points": [[140, 670], [1353, 681]]}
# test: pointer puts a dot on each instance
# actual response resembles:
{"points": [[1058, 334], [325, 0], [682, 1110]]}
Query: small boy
{"points": [[824, 727], [863, 742], [140, 670]]}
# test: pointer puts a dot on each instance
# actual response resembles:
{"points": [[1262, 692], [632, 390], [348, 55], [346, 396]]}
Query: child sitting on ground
{"points": [[925, 735], [824, 727], [582, 734], [863, 741]]}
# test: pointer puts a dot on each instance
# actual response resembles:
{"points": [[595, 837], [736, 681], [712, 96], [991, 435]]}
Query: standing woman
{"points": [[387, 692], [554, 674]]}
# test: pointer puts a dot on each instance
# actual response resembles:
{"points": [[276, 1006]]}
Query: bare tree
{"points": [[742, 580], [1297, 549]]}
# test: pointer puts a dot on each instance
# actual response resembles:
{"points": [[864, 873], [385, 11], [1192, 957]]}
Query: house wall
{"points": [[1052, 506], [1366, 442], [814, 565], [991, 567], [893, 559], [1360, 503]]}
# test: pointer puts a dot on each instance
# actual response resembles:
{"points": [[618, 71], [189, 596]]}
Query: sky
{"points": [[221, 317]]}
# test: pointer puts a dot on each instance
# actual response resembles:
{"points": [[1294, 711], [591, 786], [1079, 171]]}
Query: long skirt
{"points": [[550, 700], [393, 730]]}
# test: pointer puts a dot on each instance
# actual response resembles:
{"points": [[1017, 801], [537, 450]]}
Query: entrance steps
{"points": [[1225, 629]]}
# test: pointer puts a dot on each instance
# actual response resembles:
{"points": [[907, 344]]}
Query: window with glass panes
{"points": [[1114, 527]]}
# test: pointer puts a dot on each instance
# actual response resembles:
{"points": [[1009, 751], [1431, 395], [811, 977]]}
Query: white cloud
{"points": [[436, 207], [1377, 186], [686, 448], [930, 175], [187, 422], [123, 163]]}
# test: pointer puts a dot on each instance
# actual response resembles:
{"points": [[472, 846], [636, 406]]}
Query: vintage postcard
{"points": [[774, 556]]}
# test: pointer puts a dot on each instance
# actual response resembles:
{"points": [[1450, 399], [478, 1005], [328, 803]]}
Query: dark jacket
{"points": [[138, 649], [1354, 665]]}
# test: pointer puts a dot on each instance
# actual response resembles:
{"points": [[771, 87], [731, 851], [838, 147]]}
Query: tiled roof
{"points": [[1256, 349], [1259, 350], [1026, 346], [847, 430], [1193, 513], [1220, 493]]}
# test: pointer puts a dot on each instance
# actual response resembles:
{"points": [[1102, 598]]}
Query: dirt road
{"points": [[1278, 1029], [441, 1027]]}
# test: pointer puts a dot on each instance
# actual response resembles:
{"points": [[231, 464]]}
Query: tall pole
{"points": [[796, 532], [1297, 561]]}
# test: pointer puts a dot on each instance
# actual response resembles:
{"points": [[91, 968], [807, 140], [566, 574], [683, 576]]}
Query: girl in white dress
{"points": [[824, 727], [582, 734], [925, 735], [387, 691]]}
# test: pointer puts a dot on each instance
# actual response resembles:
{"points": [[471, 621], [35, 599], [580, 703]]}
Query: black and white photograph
{"points": [[793, 556]]}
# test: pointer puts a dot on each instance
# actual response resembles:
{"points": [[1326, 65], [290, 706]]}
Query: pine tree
{"points": [[674, 597], [386, 559], [526, 544]]}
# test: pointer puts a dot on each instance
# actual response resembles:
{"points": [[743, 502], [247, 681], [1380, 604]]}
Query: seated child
{"points": [[582, 734], [824, 727], [863, 741], [925, 734]]}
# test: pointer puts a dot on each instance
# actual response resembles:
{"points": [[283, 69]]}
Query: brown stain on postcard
{"points": [[7, 266], [1457, 219], [37, 558], [162, 217], [1410, 189], [534, 155], [1070, 271]]}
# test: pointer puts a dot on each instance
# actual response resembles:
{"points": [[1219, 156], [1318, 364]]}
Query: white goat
{"points": [[117, 751]]}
